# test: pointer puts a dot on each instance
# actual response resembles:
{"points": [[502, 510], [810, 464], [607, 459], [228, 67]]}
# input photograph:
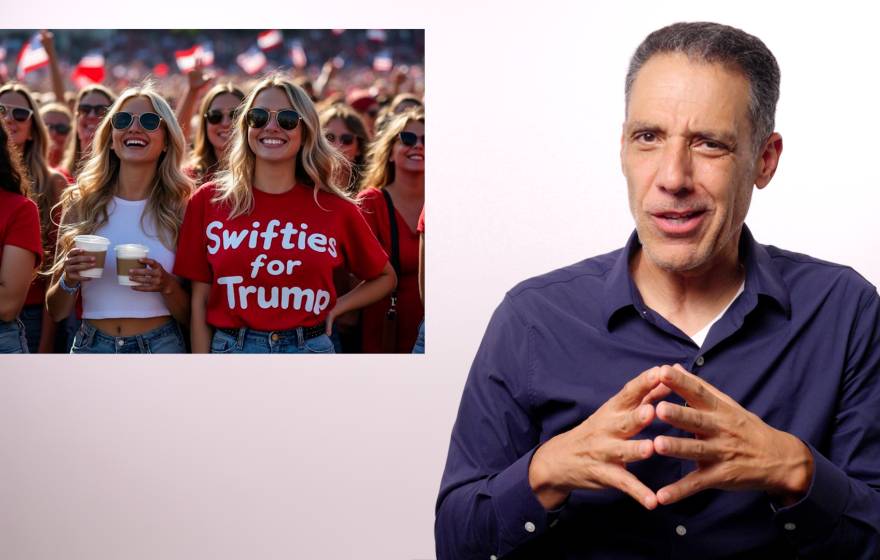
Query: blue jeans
{"points": [[32, 317], [12, 337], [419, 347], [248, 341], [166, 339]]}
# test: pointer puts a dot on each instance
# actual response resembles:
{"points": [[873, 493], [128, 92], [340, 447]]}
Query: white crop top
{"points": [[104, 298]]}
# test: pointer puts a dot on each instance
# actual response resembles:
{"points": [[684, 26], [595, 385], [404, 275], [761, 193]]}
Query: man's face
{"points": [[687, 156]]}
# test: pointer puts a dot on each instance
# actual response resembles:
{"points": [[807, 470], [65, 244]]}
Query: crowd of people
{"points": [[279, 214]]}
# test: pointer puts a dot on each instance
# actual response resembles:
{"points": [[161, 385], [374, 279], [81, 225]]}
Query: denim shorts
{"points": [[419, 347], [248, 341], [32, 317], [166, 339], [12, 337]]}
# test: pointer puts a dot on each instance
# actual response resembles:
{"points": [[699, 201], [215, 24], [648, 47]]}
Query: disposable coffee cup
{"points": [[127, 256], [94, 246]]}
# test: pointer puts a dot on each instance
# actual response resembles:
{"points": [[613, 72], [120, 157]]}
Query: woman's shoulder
{"points": [[14, 201], [369, 194]]}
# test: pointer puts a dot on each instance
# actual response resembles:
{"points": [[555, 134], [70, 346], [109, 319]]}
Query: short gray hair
{"points": [[716, 43]]}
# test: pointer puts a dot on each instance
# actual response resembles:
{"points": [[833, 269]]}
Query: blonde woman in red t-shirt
{"points": [[396, 166], [262, 242]]}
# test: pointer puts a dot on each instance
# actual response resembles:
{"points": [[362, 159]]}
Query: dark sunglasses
{"points": [[215, 116], [286, 118], [20, 114], [59, 128], [123, 120], [98, 110], [411, 139], [344, 139]]}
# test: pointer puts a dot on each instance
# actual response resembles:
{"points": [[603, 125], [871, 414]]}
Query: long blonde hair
{"points": [[204, 157], [316, 162], [85, 204], [380, 169], [35, 155], [73, 157]]}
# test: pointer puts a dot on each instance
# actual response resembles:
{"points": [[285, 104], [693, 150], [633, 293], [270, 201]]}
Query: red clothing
{"points": [[20, 224], [272, 269], [409, 306], [421, 226]]}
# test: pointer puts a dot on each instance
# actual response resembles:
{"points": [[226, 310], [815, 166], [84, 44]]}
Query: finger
{"points": [[329, 330], [685, 448], [637, 388], [138, 271], [630, 451], [631, 422], [694, 390], [693, 482], [688, 419], [78, 260], [626, 481], [657, 393]]}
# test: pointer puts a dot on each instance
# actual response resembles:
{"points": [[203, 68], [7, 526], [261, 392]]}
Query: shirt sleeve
{"points": [[364, 256], [486, 506], [840, 515], [191, 261], [24, 230]]}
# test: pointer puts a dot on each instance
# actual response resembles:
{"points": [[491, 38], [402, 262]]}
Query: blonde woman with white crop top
{"points": [[130, 191]]}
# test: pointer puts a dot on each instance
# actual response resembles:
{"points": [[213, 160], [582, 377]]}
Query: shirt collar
{"points": [[762, 278]]}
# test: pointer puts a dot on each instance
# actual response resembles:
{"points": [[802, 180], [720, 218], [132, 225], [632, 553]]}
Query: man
{"points": [[694, 394]]}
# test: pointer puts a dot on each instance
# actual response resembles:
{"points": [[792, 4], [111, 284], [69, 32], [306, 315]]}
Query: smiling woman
{"points": [[130, 194], [262, 242]]}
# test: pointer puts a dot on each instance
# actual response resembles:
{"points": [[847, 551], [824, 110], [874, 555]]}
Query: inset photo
{"points": [[216, 191]]}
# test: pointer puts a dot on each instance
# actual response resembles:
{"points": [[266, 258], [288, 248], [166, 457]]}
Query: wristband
{"points": [[66, 288]]}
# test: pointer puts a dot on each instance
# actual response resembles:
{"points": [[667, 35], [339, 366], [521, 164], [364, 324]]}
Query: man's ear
{"points": [[768, 161]]}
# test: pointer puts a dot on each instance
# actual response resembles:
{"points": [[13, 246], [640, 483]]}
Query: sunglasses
{"points": [[410, 139], [286, 118], [86, 110], [19, 114], [344, 139], [123, 120], [59, 128], [215, 116]]}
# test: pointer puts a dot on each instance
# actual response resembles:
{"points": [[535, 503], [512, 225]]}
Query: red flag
{"points": [[160, 70], [90, 70], [188, 58], [269, 39], [32, 56]]}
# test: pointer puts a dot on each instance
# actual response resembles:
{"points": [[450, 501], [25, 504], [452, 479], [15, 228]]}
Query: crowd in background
{"points": [[180, 157]]}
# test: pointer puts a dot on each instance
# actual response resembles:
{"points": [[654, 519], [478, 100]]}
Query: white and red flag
{"points": [[90, 70], [382, 62], [31, 57], [269, 39], [187, 59], [252, 60], [298, 55]]}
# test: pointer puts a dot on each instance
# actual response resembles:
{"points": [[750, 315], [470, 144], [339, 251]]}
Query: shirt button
{"points": [[529, 526], [493, 557], [700, 361], [681, 530], [789, 526]]}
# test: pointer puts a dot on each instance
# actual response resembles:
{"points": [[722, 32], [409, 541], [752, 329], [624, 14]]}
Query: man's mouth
{"points": [[678, 223]]}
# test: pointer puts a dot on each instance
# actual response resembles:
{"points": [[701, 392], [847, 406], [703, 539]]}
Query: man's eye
{"points": [[711, 145], [647, 137]]}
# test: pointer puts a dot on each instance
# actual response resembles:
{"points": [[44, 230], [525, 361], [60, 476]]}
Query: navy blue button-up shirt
{"points": [[800, 347]]}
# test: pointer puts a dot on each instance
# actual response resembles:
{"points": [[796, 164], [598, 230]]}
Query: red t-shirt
{"points": [[272, 269], [409, 306], [20, 224]]}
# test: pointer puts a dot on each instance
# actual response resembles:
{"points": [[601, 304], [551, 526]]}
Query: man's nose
{"points": [[675, 173]]}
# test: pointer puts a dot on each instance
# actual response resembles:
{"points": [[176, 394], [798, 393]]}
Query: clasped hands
{"points": [[733, 448]]}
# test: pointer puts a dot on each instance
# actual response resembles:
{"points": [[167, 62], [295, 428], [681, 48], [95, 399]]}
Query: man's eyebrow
{"points": [[722, 136], [642, 126]]}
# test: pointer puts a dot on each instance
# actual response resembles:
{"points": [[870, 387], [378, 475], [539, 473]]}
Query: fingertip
{"points": [[664, 497], [646, 448], [645, 412], [660, 444], [650, 501]]}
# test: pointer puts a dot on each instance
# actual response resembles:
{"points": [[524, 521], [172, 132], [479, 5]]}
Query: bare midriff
{"points": [[128, 326]]}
